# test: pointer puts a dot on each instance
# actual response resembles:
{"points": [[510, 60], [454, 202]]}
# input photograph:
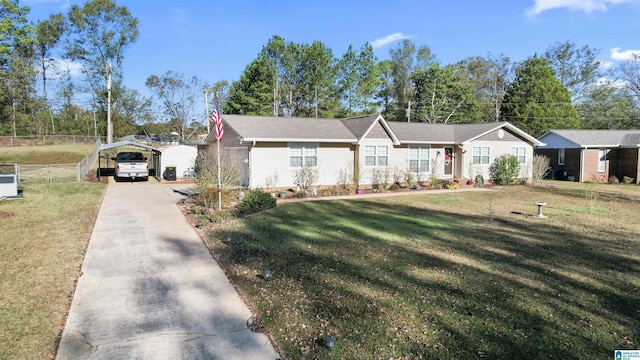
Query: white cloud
{"points": [[381, 42], [613, 83], [587, 6], [59, 67], [617, 54], [604, 64]]}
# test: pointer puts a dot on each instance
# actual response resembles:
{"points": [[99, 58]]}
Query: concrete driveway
{"points": [[150, 289]]}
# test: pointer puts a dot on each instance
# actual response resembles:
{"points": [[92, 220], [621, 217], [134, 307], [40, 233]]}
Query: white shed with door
{"points": [[183, 157]]}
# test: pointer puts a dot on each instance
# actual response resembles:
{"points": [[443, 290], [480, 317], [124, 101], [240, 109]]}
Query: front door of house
{"points": [[448, 162]]}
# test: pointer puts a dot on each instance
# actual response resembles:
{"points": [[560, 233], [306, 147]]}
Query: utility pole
{"points": [[206, 109], [109, 125]]}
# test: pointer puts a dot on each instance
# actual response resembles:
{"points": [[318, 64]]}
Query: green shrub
{"points": [[627, 180], [453, 186], [479, 180], [202, 220], [504, 170], [613, 180], [255, 201]]}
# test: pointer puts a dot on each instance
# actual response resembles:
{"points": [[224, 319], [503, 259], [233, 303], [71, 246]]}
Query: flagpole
{"points": [[219, 167]]}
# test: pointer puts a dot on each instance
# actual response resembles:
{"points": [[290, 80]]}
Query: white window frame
{"points": [[602, 160], [378, 154], [421, 157], [520, 152], [478, 152], [561, 156], [306, 152]]}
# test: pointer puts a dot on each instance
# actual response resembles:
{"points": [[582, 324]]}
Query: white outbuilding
{"points": [[182, 157]]}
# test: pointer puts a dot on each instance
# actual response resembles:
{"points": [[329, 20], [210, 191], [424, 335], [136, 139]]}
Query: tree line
{"points": [[564, 87]]}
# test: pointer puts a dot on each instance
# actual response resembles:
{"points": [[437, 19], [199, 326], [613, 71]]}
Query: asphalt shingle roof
{"points": [[269, 128], [286, 128], [439, 133], [602, 137]]}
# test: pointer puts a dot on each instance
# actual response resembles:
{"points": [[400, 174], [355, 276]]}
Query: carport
{"points": [[154, 161]]}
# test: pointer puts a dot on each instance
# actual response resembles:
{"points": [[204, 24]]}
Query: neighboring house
{"points": [[269, 151], [580, 155]]}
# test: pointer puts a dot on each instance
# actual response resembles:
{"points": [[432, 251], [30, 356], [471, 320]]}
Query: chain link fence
{"points": [[54, 173], [11, 141]]}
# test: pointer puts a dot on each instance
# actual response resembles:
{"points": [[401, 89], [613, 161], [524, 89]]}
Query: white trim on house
{"points": [[517, 131], [385, 125]]}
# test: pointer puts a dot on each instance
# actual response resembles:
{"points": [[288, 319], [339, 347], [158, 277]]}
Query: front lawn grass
{"points": [[459, 275], [43, 238]]}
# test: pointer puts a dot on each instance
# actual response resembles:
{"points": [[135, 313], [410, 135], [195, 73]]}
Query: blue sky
{"points": [[215, 40]]}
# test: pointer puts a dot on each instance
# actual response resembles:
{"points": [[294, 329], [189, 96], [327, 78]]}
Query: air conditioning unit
{"points": [[8, 185]]}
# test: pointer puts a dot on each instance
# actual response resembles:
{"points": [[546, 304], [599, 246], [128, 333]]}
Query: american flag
{"points": [[216, 119]]}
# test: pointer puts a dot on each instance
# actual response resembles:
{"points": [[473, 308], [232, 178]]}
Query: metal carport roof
{"points": [[125, 143]]}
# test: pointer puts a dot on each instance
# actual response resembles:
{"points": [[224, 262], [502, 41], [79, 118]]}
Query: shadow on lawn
{"points": [[396, 280]]}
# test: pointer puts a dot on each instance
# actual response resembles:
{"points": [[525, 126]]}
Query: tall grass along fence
{"points": [[50, 173]]}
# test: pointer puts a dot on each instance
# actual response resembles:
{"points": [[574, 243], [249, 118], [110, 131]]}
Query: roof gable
{"points": [[362, 126]]}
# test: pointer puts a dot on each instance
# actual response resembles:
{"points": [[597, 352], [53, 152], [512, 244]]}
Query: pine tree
{"points": [[537, 102]]}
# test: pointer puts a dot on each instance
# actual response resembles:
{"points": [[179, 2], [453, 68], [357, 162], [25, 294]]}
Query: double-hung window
{"points": [[602, 160], [418, 159], [481, 155], [520, 152], [376, 155], [561, 156], [303, 155]]}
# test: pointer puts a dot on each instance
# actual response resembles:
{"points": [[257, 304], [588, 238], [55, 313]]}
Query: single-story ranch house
{"points": [[270, 150], [580, 155]]}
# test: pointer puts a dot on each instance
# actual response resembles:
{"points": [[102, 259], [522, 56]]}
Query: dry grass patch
{"points": [[42, 245], [461, 275], [50, 154]]}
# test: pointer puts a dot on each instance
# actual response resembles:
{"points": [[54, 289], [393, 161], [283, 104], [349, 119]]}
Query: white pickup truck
{"points": [[132, 165]]}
